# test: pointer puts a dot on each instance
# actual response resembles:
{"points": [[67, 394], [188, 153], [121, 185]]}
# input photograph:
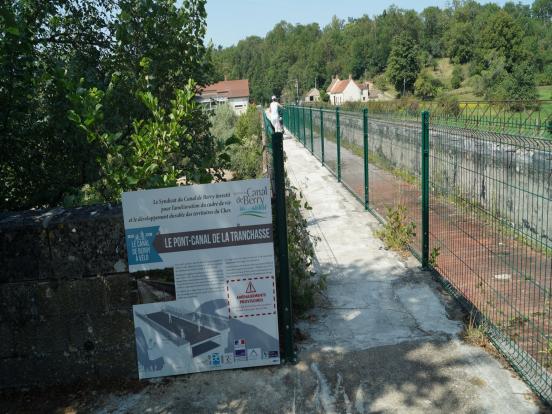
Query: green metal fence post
{"points": [[425, 189], [322, 136], [304, 128], [311, 133], [338, 142], [284, 291], [365, 139], [292, 120], [296, 114]]}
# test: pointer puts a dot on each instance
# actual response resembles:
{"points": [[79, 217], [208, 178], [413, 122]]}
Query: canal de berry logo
{"points": [[252, 202]]}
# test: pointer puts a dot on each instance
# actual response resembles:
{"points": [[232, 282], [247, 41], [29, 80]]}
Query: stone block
{"points": [[119, 291], [24, 253], [81, 296], [18, 304], [42, 337], [7, 344], [82, 334], [88, 241], [117, 363], [113, 329]]}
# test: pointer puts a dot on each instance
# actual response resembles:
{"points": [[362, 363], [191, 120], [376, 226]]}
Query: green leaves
{"points": [[403, 66], [62, 128], [14, 31], [152, 157]]}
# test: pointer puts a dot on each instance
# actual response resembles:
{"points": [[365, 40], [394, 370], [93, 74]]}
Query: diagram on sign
{"points": [[200, 333], [192, 336]]}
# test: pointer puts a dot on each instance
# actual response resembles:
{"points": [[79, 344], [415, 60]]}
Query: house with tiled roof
{"points": [[232, 92], [346, 90]]}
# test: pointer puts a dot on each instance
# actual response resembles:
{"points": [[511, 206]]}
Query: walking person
{"points": [[274, 112]]}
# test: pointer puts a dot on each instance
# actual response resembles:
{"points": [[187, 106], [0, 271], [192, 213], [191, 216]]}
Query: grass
{"points": [[443, 70], [544, 92], [474, 334]]}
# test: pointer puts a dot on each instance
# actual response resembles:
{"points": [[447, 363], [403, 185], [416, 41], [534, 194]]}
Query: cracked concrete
{"points": [[383, 339]]}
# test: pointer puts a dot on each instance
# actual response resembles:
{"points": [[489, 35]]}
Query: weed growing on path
{"points": [[397, 232]]}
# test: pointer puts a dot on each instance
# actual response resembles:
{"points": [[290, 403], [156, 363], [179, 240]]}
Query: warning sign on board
{"points": [[251, 296]]}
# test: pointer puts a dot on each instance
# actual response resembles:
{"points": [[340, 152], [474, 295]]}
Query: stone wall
{"points": [[65, 297]]}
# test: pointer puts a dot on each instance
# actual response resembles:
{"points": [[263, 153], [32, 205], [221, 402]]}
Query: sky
{"points": [[229, 21]]}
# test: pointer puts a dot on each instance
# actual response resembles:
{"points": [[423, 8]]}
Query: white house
{"points": [[342, 91], [233, 92], [313, 95], [348, 90]]}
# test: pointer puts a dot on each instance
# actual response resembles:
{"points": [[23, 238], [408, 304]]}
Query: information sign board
{"points": [[218, 239]]}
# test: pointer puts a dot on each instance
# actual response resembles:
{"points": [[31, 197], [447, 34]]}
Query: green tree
{"points": [[153, 158], [457, 77], [246, 157], [403, 66], [502, 36], [45, 48], [49, 49], [459, 40], [223, 122], [543, 9], [426, 86]]}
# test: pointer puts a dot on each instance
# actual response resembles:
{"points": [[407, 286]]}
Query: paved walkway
{"points": [[383, 339]]}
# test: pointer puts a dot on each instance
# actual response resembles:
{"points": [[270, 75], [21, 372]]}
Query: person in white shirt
{"points": [[273, 111]]}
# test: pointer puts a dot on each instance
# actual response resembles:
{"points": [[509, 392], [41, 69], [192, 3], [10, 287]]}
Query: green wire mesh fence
{"points": [[488, 215]]}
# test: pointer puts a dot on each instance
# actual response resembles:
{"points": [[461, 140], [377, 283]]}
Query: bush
{"points": [[305, 283], [247, 155], [223, 122], [156, 155], [397, 233], [380, 82], [457, 77], [448, 104], [426, 86], [476, 83]]}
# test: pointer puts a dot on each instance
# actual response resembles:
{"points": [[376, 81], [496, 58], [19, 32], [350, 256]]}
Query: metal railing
{"points": [[481, 204], [273, 142]]}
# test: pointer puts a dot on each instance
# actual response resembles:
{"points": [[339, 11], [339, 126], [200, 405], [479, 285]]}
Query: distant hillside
{"points": [[501, 53]]}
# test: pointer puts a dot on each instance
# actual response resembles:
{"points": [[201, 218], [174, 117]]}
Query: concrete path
{"points": [[384, 339]]}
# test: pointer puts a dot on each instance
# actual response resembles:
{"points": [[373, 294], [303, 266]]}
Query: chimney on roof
{"points": [[225, 78], [350, 76]]}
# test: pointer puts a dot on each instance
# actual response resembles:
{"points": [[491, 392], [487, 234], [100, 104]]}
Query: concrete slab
{"points": [[383, 339]]}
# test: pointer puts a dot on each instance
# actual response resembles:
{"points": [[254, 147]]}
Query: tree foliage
{"points": [[156, 154], [426, 86], [457, 77], [293, 57], [403, 65], [118, 51], [246, 158]]}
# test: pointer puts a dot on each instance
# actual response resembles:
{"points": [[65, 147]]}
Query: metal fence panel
{"points": [[394, 159], [330, 142], [489, 210], [352, 152], [490, 221]]}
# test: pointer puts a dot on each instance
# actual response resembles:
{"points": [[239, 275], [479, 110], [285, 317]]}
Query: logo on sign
{"points": [[239, 344], [240, 355], [140, 246], [252, 202], [215, 359]]}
